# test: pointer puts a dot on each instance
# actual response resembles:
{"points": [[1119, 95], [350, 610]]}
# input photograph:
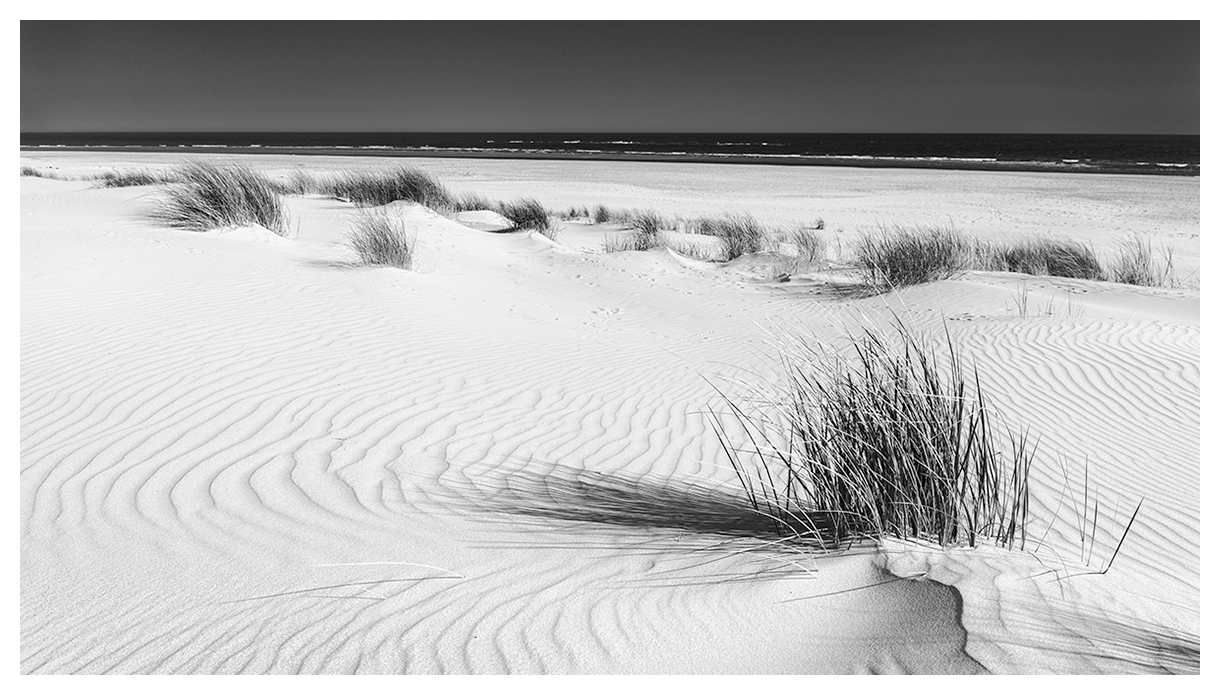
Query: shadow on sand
{"points": [[549, 493], [556, 492]]}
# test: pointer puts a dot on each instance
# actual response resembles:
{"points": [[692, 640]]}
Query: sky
{"points": [[809, 76]]}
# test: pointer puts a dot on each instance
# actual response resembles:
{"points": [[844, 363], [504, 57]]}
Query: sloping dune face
{"points": [[243, 454]]}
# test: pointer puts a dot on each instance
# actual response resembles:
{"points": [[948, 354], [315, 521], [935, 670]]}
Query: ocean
{"points": [[1176, 155]]}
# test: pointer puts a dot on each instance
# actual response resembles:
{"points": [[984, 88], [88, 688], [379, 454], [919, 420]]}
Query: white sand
{"points": [[240, 456]]}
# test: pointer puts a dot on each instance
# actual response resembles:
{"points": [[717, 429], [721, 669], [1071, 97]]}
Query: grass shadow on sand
{"points": [[554, 493], [838, 289], [562, 493], [335, 264]]}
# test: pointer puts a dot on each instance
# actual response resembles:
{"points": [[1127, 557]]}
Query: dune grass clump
{"points": [[39, 173], [899, 256], [378, 239], [466, 202], [376, 188], [633, 241], [1136, 265], [646, 222], [809, 245], [1043, 256], [885, 440], [123, 179], [207, 196], [527, 213], [619, 216], [574, 213], [739, 233], [624, 217], [646, 234], [300, 182]]}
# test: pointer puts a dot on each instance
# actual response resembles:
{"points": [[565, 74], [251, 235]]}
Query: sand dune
{"points": [[242, 455]]}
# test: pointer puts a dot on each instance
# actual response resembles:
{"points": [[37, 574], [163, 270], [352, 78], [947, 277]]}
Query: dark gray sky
{"points": [[1013, 77]]}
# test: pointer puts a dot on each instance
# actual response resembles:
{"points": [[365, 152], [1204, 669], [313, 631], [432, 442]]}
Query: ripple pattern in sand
{"points": [[242, 460], [234, 465]]}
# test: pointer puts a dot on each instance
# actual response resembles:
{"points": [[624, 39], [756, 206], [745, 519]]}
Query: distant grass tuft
{"points": [[528, 213], [381, 240], [739, 233], [206, 196], [810, 247], [900, 256], [646, 234], [574, 213], [300, 182], [885, 440], [467, 202], [635, 240], [620, 216], [647, 223], [39, 173], [1135, 265], [123, 179], [376, 188], [1042, 256]]}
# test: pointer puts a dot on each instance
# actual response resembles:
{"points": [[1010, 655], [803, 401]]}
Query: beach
{"points": [[242, 453]]}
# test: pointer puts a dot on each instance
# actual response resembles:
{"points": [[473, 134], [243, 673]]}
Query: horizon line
{"points": [[601, 132]]}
